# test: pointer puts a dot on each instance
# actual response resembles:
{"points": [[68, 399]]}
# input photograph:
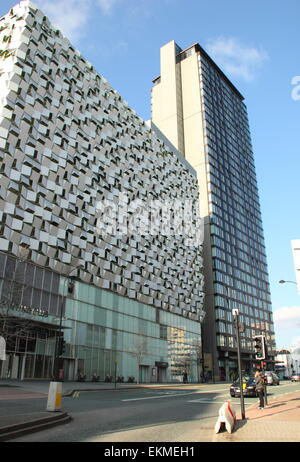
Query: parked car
{"points": [[249, 387], [295, 377], [272, 378]]}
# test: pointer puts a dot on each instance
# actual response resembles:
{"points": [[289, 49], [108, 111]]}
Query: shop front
{"points": [[30, 350]]}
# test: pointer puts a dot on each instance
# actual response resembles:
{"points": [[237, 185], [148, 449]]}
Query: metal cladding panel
{"points": [[81, 171]]}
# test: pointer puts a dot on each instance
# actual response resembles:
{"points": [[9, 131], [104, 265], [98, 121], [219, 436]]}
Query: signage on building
{"points": [[2, 349], [29, 310], [161, 364]]}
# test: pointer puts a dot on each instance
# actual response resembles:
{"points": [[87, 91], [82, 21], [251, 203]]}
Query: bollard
{"points": [[226, 416], [54, 397]]}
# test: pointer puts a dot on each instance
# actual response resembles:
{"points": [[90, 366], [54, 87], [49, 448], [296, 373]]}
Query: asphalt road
{"points": [[106, 415]]}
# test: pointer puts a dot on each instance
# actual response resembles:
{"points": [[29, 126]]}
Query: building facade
{"points": [[100, 238], [284, 366], [202, 113]]}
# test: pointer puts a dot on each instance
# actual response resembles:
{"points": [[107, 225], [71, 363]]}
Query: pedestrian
{"points": [[260, 388], [184, 377], [206, 376]]}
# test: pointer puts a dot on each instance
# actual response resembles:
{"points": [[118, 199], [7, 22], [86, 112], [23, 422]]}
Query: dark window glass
{"points": [[10, 268], [163, 332], [36, 299], [38, 278], [16, 293], [2, 264], [55, 283], [57, 305], [47, 280], [31, 343], [29, 274], [53, 306], [27, 294], [6, 291], [45, 301], [20, 270]]}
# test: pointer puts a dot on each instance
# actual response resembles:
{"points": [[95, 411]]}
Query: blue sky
{"points": [[257, 45]]}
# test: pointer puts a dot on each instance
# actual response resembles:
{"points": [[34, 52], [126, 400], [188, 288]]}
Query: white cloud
{"points": [[295, 344], [107, 6], [132, 8], [287, 317], [70, 16], [235, 58]]}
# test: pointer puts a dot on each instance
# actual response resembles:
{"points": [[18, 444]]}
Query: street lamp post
{"points": [[201, 319], [56, 353], [283, 282], [235, 313]]}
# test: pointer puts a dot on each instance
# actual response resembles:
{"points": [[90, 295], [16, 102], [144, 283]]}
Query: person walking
{"points": [[260, 388], [185, 376]]}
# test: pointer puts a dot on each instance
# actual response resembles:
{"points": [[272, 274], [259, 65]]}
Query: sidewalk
{"points": [[42, 386], [278, 422]]}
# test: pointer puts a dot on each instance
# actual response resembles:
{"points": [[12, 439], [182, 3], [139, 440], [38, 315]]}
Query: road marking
{"points": [[162, 396], [171, 394], [207, 401]]}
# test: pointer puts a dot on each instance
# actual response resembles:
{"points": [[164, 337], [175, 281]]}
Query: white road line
{"points": [[162, 396], [205, 400], [216, 402]]}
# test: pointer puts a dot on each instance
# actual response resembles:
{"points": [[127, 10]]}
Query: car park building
{"points": [[80, 253]]}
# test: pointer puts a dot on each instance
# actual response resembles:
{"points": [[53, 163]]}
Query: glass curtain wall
{"points": [[115, 336], [238, 250]]}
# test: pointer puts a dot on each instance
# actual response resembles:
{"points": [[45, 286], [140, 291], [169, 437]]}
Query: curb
{"points": [[69, 393], [75, 390], [14, 431]]}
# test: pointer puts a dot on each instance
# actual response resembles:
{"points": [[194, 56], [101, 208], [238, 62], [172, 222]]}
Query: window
{"points": [[163, 332]]}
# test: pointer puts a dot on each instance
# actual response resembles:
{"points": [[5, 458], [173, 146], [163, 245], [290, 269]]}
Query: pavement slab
{"points": [[16, 419], [279, 421], [19, 393]]}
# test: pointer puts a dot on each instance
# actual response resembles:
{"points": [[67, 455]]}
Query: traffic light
{"points": [[61, 346], [260, 347]]}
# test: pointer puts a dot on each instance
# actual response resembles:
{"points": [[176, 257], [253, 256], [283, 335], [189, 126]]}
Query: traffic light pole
{"points": [[265, 385], [238, 341], [261, 354], [58, 337]]}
